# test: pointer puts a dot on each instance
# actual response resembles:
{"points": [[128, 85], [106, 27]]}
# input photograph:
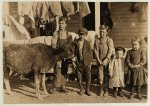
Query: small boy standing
{"points": [[116, 71], [83, 52]]}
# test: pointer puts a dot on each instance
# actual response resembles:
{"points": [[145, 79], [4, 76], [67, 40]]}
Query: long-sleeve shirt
{"points": [[103, 48], [135, 57]]}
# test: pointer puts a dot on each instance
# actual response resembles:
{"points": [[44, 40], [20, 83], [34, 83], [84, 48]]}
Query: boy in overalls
{"points": [[59, 38], [103, 50]]}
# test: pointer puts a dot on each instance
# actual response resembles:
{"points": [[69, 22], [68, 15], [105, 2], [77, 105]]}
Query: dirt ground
{"points": [[24, 92]]}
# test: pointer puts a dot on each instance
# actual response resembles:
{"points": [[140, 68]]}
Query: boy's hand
{"points": [[74, 59], [136, 66], [105, 62], [100, 62], [110, 75]]}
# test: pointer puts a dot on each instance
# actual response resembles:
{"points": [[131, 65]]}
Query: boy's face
{"points": [[103, 33], [82, 35], [62, 25], [135, 45], [119, 54]]}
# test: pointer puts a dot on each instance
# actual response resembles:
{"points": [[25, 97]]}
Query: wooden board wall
{"points": [[126, 25], [75, 23]]}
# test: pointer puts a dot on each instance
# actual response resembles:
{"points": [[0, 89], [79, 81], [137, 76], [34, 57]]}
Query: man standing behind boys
{"points": [[83, 51], [103, 50]]}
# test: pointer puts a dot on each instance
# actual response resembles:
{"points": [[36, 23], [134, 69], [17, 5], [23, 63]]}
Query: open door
{"points": [[89, 20]]}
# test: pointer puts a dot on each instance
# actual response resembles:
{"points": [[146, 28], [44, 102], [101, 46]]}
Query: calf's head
{"points": [[67, 50]]}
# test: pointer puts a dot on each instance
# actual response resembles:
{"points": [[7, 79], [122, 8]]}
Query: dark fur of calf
{"points": [[31, 57]]}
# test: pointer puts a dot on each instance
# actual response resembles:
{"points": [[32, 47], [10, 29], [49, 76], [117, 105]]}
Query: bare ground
{"points": [[24, 92]]}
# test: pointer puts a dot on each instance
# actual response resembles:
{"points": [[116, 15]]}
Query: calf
{"points": [[38, 58]]}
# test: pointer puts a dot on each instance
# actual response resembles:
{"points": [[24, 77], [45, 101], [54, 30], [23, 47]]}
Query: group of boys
{"points": [[103, 48]]}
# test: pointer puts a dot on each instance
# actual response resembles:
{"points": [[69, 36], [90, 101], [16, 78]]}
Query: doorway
{"points": [[89, 20]]}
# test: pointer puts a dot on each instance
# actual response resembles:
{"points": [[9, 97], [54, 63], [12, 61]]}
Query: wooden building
{"points": [[127, 24]]}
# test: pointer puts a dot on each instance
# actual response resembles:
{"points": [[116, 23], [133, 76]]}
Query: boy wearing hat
{"points": [[103, 48], [83, 52]]}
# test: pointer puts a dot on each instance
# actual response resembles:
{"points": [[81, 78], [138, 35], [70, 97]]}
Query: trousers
{"points": [[85, 71]]}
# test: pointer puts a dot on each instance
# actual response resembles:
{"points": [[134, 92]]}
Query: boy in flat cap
{"points": [[103, 48], [83, 52]]}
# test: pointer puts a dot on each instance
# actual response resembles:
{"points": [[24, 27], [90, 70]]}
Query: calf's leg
{"points": [[43, 84], [6, 80], [36, 79]]}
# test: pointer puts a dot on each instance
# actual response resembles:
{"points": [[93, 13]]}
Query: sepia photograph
{"points": [[74, 52]]}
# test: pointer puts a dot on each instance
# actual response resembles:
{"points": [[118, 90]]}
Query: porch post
{"points": [[97, 17], [109, 5]]}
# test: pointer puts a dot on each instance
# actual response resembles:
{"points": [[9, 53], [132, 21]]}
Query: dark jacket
{"points": [[87, 52]]}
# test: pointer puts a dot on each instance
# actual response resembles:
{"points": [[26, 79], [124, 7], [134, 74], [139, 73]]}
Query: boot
{"points": [[132, 95], [138, 93], [63, 89], [87, 92], [132, 92], [53, 90], [120, 92], [81, 92], [139, 96], [101, 91], [106, 92], [115, 92]]}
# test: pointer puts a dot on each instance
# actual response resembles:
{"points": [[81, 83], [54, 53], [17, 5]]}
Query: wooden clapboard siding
{"points": [[126, 25], [13, 8], [75, 23]]}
